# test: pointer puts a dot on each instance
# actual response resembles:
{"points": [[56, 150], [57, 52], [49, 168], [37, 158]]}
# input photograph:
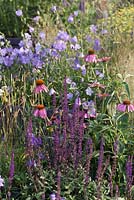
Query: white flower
{"points": [[89, 91], [74, 39], [81, 55], [78, 101], [73, 86], [76, 13], [27, 36], [2, 43], [35, 70], [83, 67], [68, 80], [85, 105], [31, 29], [36, 19], [42, 35], [69, 96], [53, 9], [38, 48], [1, 182], [1, 37], [53, 196], [70, 19], [19, 13], [52, 91], [75, 47]]}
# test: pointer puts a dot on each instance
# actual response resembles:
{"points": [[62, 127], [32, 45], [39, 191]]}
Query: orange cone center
{"points": [[91, 52], [40, 106], [39, 82], [126, 102]]}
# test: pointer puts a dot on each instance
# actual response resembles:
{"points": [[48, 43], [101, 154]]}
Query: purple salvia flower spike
{"points": [[29, 145], [81, 134], [11, 172], [114, 166], [100, 160], [11, 175], [82, 5], [129, 176], [58, 184], [89, 154], [117, 191]]}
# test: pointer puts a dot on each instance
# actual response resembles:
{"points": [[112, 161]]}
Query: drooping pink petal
{"points": [[121, 107], [104, 59], [40, 88], [37, 89], [43, 113], [44, 88], [91, 58], [36, 113], [130, 108]]}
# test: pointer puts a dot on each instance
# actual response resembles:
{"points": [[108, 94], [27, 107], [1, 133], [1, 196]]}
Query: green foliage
{"points": [[12, 25], [18, 102]]}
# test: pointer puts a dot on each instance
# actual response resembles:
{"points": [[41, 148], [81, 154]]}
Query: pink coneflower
{"points": [[40, 86], [103, 59], [126, 106], [40, 111], [91, 57], [97, 84]]}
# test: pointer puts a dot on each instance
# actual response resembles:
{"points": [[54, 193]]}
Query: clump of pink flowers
{"points": [[126, 106], [40, 111], [40, 86]]}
